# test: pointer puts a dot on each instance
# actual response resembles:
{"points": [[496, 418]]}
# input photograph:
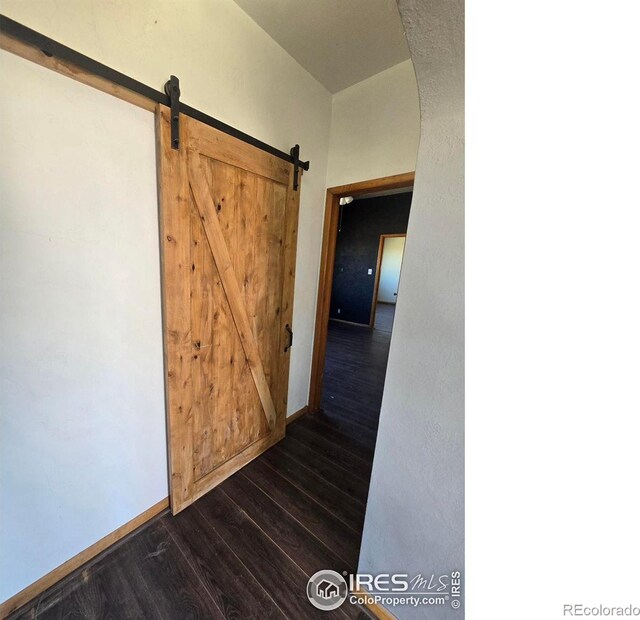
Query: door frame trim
{"points": [[376, 286], [327, 263]]}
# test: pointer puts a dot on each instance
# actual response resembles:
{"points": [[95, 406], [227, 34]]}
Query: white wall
{"points": [[375, 127], [415, 512], [231, 69], [82, 441], [82, 430], [393, 249]]}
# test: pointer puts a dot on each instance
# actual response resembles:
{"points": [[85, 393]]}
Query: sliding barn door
{"points": [[228, 225]]}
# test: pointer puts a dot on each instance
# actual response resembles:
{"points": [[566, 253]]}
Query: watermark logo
{"points": [[327, 590], [579, 609]]}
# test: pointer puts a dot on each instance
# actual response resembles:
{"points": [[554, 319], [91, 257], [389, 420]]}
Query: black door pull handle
{"points": [[288, 328]]}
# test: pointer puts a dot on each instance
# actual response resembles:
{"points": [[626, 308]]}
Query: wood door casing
{"points": [[228, 235], [327, 264]]}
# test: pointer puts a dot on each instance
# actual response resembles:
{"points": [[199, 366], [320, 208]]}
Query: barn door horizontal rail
{"points": [[53, 49]]}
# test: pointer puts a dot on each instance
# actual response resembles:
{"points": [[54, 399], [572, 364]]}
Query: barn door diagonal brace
{"points": [[201, 192], [297, 164], [172, 90]]}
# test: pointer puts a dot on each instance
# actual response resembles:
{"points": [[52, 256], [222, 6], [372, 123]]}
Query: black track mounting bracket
{"points": [[297, 164], [172, 90], [169, 97]]}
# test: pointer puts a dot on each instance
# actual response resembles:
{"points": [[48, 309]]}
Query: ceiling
{"points": [[340, 42]]}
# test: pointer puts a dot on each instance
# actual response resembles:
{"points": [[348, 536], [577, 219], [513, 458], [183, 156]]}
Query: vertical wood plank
{"points": [[289, 274], [262, 324], [253, 426], [275, 284], [175, 231], [221, 207]]}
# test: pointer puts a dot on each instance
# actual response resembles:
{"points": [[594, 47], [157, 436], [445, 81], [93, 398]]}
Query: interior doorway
{"points": [[385, 293], [328, 310]]}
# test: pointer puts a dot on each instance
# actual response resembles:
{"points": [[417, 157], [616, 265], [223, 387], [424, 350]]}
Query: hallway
{"points": [[385, 313], [247, 548]]}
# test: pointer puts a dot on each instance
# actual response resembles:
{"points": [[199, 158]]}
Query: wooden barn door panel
{"points": [[229, 222]]}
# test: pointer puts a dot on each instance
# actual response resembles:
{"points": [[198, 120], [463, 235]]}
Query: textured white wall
{"points": [[230, 68], [415, 512], [82, 440], [390, 269], [82, 424], [375, 127]]}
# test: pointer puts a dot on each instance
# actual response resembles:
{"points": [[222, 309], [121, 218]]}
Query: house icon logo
{"points": [[327, 590]]}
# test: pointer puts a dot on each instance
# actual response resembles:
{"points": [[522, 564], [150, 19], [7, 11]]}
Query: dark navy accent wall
{"points": [[363, 221]]}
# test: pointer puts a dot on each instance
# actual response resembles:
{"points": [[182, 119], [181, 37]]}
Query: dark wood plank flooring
{"points": [[247, 548], [385, 313]]}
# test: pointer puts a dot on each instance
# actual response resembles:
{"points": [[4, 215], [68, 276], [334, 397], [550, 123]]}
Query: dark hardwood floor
{"points": [[247, 548], [385, 314]]}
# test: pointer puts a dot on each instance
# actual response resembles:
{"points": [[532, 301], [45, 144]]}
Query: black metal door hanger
{"points": [[171, 96]]}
